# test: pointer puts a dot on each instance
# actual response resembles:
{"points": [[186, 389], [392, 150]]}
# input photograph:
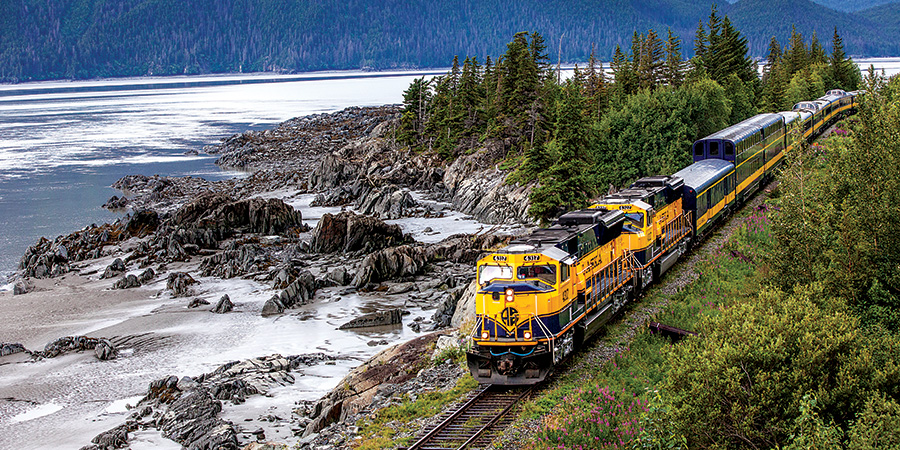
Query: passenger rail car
{"points": [[545, 294]]}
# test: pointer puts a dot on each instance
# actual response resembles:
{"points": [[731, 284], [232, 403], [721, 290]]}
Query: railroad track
{"points": [[474, 424]]}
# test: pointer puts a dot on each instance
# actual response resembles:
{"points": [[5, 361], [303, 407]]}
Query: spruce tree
{"points": [[416, 100], [650, 65], [772, 59], [596, 86], [796, 56], [816, 52], [701, 42], [844, 72], [673, 73]]}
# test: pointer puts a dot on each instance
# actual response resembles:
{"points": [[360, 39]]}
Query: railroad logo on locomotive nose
{"points": [[510, 316]]}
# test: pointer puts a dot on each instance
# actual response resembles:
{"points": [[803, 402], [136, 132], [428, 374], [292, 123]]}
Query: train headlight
{"points": [[485, 335], [527, 335], [510, 296]]}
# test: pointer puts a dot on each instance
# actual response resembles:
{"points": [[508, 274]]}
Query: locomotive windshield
{"points": [[545, 273], [491, 272], [636, 219]]}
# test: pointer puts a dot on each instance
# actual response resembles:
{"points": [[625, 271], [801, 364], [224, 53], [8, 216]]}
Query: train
{"points": [[543, 295]]}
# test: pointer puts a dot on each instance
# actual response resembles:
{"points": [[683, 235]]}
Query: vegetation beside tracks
{"points": [[796, 313]]}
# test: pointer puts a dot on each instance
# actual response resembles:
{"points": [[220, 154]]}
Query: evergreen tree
{"points": [[623, 74], [596, 86], [565, 185], [772, 59], [701, 41], [844, 73], [650, 64], [673, 73], [712, 55], [416, 100], [816, 52], [796, 56]]}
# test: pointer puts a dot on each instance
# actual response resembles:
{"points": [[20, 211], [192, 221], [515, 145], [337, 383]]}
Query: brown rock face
{"points": [[254, 215], [349, 232]]}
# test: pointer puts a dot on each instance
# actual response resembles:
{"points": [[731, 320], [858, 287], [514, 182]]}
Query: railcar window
{"points": [[490, 272], [545, 273]]}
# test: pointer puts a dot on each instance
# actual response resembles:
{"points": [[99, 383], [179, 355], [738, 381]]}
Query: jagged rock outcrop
{"points": [[299, 292], [350, 232], [105, 350], [223, 306], [465, 305], [192, 421], [388, 202], [111, 439], [78, 344], [146, 275], [375, 319], [197, 302], [408, 260], [11, 348], [477, 187], [446, 306], [115, 203], [254, 215], [180, 284], [237, 261], [142, 223]]}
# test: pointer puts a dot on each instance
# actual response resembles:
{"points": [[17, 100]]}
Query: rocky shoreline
{"points": [[181, 232]]}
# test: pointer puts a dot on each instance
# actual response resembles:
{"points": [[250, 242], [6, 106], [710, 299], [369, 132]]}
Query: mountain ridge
{"points": [[47, 39]]}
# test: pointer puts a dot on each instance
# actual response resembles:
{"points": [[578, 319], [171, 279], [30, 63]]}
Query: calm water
{"points": [[64, 143]]}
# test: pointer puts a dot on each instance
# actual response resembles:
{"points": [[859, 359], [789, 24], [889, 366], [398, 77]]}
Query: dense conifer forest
{"points": [[48, 39], [576, 137]]}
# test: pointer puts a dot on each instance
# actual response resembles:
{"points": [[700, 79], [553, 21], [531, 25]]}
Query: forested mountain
{"points": [[45, 39], [853, 5], [763, 19], [886, 15]]}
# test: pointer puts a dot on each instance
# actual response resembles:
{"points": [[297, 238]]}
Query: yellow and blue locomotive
{"points": [[545, 294]]}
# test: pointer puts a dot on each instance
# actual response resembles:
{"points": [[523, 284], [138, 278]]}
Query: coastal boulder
{"points": [[127, 282], [388, 202], [105, 350], [142, 223], [115, 269], [11, 348], [350, 232], [272, 307], [223, 306], [22, 286], [375, 319], [180, 284]]}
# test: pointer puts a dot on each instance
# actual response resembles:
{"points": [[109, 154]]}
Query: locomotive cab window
{"points": [[637, 219], [729, 149], [545, 273], [698, 149], [713, 149], [487, 273]]}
